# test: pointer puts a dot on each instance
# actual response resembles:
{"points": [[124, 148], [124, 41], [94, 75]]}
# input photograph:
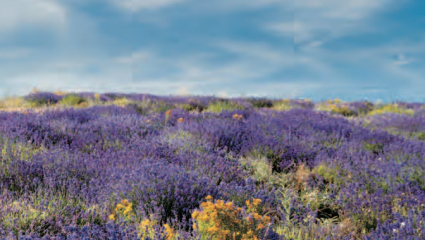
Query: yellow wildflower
{"points": [[112, 217], [256, 201], [257, 216], [195, 214], [169, 231], [144, 223], [119, 206], [229, 204]]}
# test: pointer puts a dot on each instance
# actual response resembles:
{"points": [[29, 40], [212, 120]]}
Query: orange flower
{"points": [[180, 120], [256, 201], [236, 116], [209, 197]]}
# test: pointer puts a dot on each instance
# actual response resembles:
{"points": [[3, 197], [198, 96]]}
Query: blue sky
{"points": [[352, 49]]}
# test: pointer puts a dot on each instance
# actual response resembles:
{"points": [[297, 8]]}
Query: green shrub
{"points": [[220, 220], [122, 102], [420, 136], [391, 108], [374, 147], [344, 111], [222, 105], [260, 102], [161, 106], [72, 100]]}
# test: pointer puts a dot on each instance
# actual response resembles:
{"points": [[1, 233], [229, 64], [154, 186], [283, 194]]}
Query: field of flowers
{"points": [[138, 166]]}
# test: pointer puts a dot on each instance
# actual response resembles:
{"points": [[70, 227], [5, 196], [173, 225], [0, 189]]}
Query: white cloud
{"points": [[259, 52], [402, 60], [15, 53], [335, 9], [71, 73], [224, 5], [204, 73], [329, 19], [16, 13], [137, 5], [284, 28], [133, 58], [393, 62]]}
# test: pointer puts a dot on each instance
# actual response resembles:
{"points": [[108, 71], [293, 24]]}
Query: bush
{"points": [[72, 100], [222, 105], [260, 102], [221, 220], [193, 105], [122, 102], [391, 108], [343, 110]]}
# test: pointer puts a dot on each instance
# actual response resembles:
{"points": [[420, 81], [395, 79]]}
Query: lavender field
{"points": [[139, 166]]}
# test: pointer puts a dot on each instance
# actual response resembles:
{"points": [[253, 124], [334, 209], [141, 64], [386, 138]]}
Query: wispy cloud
{"points": [[259, 51], [15, 53], [283, 28], [328, 19], [16, 13], [137, 5], [402, 60], [250, 62]]}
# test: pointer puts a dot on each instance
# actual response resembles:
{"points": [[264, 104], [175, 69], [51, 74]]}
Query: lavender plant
{"points": [[64, 172]]}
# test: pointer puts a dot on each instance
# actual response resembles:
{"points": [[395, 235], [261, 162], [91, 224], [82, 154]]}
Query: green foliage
{"points": [[24, 215], [335, 175], [342, 110], [219, 106], [331, 227], [419, 135], [283, 105], [260, 102], [144, 107], [259, 169], [187, 107], [373, 147], [122, 102], [391, 108], [11, 149], [183, 141], [34, 104], [365, 110], [193, 105], [162, 107], [72, 100], [418, 175], [147, 106], [367, 219]]}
